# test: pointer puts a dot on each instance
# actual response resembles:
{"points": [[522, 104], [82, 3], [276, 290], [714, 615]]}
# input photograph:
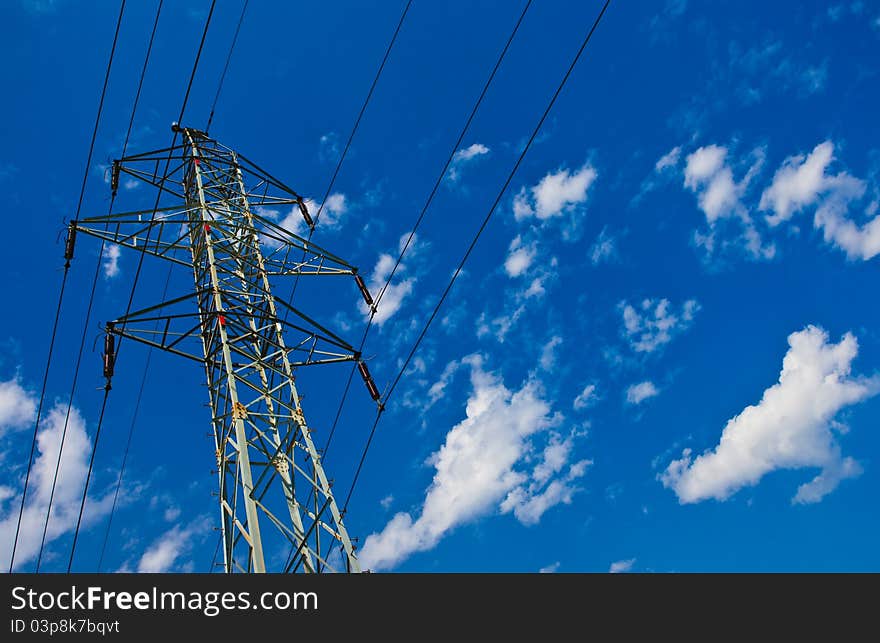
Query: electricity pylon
{"points": [[275, 498]]}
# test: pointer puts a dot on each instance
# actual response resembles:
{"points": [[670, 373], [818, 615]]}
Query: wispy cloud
{"points": [[463, 158], [111, 260], [622, 566], [166, 551], [586, 398], [604, 249]]}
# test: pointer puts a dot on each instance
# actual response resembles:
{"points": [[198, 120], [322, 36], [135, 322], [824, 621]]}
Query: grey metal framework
{"points": [[274, 494]]}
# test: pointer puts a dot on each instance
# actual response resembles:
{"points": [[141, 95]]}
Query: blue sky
{"points": [[687, 252]]}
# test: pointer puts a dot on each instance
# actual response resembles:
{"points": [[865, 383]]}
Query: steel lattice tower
{"points": [[273, 490]]}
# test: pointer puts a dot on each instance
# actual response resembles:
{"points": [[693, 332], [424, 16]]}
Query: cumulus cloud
{"points": [[622, 566], [803, 181], [791, 427], [710, 177], [519, 257], [638, 393], [111, 260], [655, 323], [464, 157], [476, 469], [17, 406], [555, 194], [68, 490]]}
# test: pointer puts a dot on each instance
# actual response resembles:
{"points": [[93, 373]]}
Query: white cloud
{"points": [[395, 293], [797, 183], [111, 260], [604, 248], [519, 257], [530, 503], [500, 326], [670, 159], [792, 427], [586, 398], [463, 157], [708, 175], [328, 147], [654, 323], [68, 490], [171, 513], [555, 194], [535, 290], [622, 566], [476, 469], [638, 393], [703, 164], [386, 502], [331, 216], [167, 549], [550, 569], [548, 353], [803, 181], [17, 406], [515, 306]]}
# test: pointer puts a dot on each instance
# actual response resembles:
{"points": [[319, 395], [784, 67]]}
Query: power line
{"points": [[137, 404], [131, 298], [327, 192], [226, 66], [143, 254], [39, 414], [360, 115], [82, 505], [78, 208], [472, 245], [424, 210], [124, 148], [342, 156], [216, 551], [137, 407]]}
